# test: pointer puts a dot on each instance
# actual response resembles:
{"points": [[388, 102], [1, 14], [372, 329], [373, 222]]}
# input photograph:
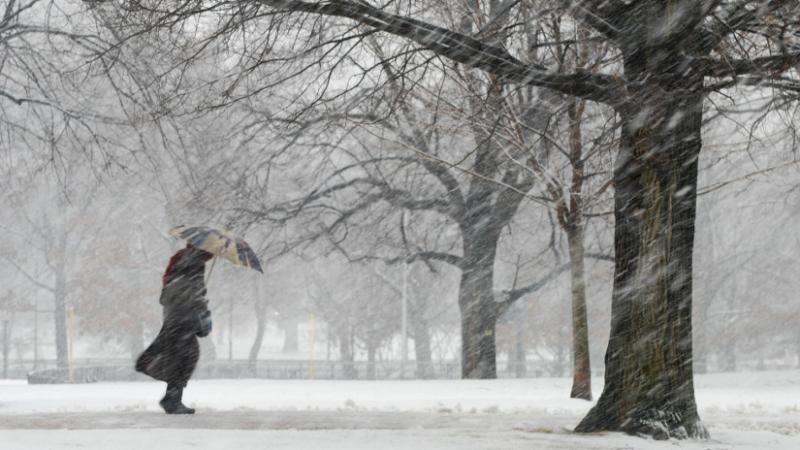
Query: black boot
{"points": [[172, 403]]}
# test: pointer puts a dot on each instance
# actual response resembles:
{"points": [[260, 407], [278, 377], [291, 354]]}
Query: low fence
{"points": [[88, 371], [92, 370], [90, 374]]}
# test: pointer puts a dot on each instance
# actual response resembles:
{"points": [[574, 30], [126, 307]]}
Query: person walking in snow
{"points": [[173, 355]]}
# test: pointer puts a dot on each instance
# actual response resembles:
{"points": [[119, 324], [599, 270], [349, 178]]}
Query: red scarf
{"points": [[171, 265]]}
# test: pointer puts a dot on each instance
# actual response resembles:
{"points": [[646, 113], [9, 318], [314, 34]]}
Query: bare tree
{"points": [[480, 195], [55, 231], [118, 273], [362, 309]]}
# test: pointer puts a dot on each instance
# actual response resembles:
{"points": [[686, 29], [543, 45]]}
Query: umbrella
{"points": [[219, 243]]}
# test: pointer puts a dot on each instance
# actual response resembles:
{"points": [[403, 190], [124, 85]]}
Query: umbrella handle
{"points": [[213, 261]]}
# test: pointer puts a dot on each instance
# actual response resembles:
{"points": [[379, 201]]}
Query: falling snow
{"points": [[364, 224]]}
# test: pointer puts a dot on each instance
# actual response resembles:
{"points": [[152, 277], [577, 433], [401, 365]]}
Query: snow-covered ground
{"points": [[757, 410]]}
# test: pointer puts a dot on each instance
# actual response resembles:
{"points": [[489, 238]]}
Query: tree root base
{"points": [[658, 425], [581, 394]]}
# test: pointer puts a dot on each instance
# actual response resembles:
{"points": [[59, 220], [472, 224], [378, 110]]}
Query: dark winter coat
{"points": [[173, 355]]}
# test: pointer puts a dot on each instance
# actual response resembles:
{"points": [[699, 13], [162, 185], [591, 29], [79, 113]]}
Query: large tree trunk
{"points": [[479, 311], [648, 382], [581, 371]]}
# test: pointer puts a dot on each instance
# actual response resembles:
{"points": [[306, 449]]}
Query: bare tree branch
{"points": [[511, 296], [466, 50]]}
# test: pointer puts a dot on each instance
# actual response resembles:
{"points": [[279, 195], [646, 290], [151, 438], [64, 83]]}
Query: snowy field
{"points": [[758, 410]]}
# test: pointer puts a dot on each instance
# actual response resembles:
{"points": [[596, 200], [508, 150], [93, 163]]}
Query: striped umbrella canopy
{"points": [[219, 243]]}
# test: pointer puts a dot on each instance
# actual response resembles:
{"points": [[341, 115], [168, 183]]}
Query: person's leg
{"points": [[181, 353], [172, 403]]}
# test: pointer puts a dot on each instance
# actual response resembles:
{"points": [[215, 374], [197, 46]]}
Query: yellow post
{"points": [[70, 340], [313, 339]]}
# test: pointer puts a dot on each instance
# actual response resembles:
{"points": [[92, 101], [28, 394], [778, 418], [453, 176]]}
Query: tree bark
{"points": [[479, 311], [649, 380], [581, 371]]}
